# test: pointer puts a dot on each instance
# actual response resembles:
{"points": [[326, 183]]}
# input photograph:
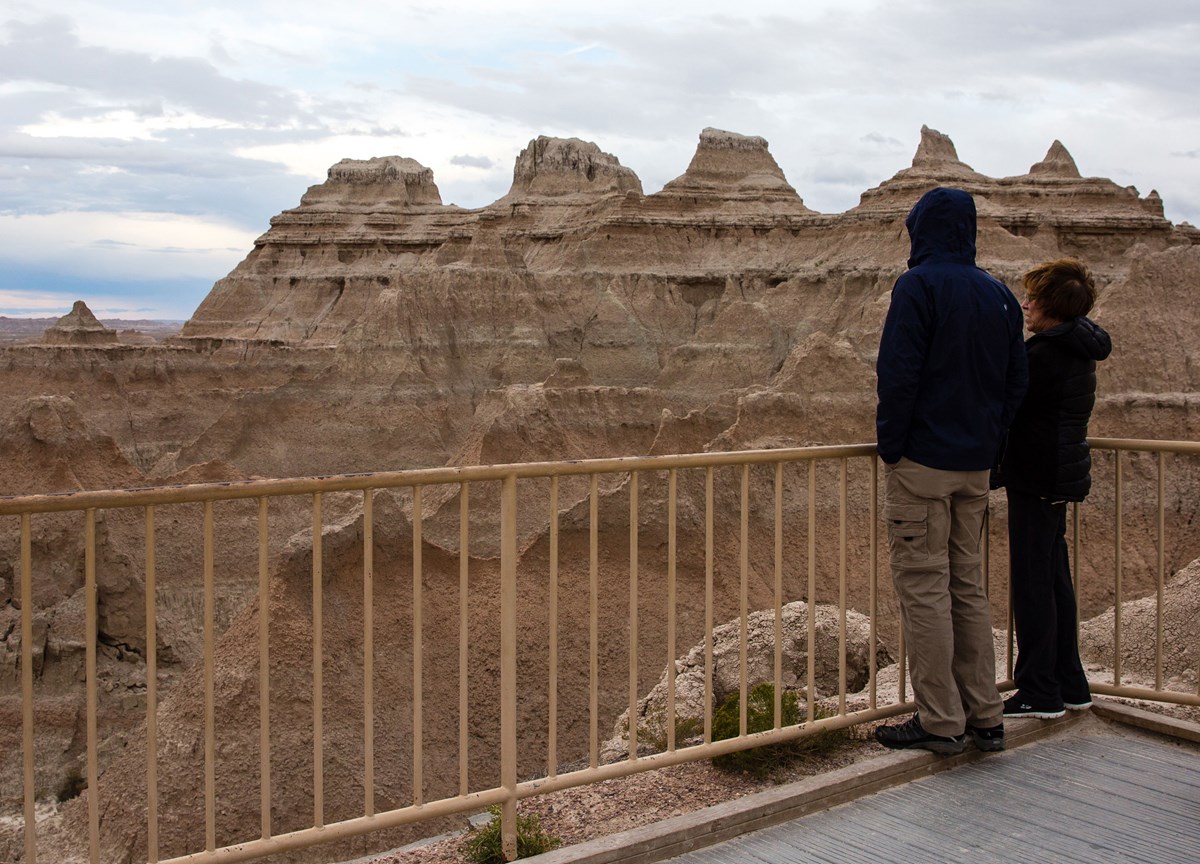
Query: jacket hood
{"points": [[941, 227], [1083, 336]]}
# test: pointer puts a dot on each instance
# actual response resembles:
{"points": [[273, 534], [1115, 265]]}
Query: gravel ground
{"points": [[585, 813]]}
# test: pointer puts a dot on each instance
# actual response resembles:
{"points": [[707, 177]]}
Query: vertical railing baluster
{"points": [[1077, 563], [633, 612], [1010, 634], [418, 652], [151, 696], [1161, 568], [811, 679], [1077, 543], [552, 684], [985, 542], [30, 791], [873, 583], [743, 591], [464, 560], [508, 666], [708, 603], [1119, 487], [369, 652], [264, 671], [317, 668], [210, 703], [671, 553], [90, 636], [778, 706], [843, 496], [594, 624]]}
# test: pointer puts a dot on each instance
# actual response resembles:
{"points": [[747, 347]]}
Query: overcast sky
{"points": [[143, 146]]}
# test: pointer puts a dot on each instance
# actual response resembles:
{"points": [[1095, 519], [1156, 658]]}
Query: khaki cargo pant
{"points": [[934, 523]]}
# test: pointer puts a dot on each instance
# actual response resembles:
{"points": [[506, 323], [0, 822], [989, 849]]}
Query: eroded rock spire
{"points": [[1058, 163], [935, 148], [728, 164], [79, 327]]}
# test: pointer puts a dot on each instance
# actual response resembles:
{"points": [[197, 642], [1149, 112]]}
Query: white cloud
{"points": [[110, 246], [466, 160]]}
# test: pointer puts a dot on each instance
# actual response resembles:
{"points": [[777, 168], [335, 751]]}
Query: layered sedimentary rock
{"points": [[79, 327], [1053, 207], [569, 255], [729, 168]]}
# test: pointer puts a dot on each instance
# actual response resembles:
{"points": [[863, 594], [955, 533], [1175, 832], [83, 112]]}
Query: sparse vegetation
{"points": [[656, 734], [484, 845], [71, 786], [764, 761]]}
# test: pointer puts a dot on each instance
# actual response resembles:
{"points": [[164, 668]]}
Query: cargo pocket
{"points": [[907, 526]]}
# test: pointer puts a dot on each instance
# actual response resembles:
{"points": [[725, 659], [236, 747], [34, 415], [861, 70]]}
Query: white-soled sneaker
{"points": [[1017, 706]]}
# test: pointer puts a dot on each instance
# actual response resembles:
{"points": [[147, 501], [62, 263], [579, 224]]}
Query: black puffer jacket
{"points": [[1047, 453]]}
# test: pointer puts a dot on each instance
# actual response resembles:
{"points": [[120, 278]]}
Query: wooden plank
{"points": [[1067, 800]]}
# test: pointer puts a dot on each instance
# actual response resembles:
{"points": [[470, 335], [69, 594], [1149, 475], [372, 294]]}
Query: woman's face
{"points": [[1035, 320]]}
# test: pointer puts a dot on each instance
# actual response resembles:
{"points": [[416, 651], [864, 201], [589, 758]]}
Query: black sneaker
{"points": [[987, 737], [911, 734], [1017, 706]]}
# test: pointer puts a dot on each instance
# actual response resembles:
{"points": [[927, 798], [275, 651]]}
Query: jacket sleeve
{"points": [[1016, 382], [902, 350]]}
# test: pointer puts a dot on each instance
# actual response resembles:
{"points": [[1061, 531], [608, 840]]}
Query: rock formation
{"points": [[1058, 163], [730, 168], [374, 328], [1139, 618], [690, 670], [557, 168], [79, 327]]}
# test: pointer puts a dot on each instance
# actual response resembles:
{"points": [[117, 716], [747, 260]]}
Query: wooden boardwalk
{"points": [[1092, 800]]}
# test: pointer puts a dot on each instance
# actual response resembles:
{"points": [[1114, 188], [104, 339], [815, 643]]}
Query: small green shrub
{"points": [[656, 734], [760, 716], [71, 786], [484, 845]]}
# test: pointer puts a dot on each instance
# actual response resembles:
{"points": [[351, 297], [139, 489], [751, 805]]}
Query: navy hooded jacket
{"points": [[951, 367]]}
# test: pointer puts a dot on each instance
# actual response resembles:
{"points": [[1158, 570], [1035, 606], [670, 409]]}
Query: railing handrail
{"points": [[1149, 445], [52, 502], [242, 489]]}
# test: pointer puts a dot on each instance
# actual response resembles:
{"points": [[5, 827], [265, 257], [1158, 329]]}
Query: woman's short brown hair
{"points": [[1063, 288]]}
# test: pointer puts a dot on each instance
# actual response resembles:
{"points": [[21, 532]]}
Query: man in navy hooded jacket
{"points": [[951, 374]]}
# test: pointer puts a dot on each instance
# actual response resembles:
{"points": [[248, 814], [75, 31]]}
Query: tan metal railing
{"points": [[858, 504], [1159, 450]]}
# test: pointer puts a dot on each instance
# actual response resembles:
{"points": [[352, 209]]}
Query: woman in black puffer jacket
{"points": [[1046, 464]]}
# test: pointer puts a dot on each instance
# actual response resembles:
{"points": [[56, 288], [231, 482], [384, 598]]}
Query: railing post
{"points": [[418, 648], [368, 656], [264, 671], [151, 696], [27, 718], [508, 666], [1118, 488], [90, 637]]}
